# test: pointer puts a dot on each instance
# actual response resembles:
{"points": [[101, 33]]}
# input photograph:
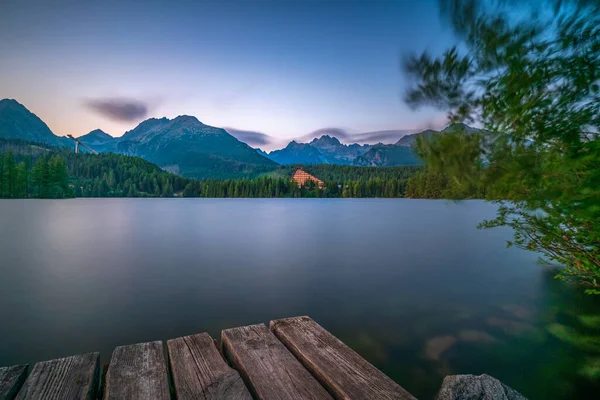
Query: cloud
{"points": [[251, 138], [333, 132], [341, 134], [266, 142], [388, 136], [119, 109]]}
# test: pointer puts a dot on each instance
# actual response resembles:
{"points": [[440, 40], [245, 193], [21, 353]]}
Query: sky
{"points": [[283, 68]]}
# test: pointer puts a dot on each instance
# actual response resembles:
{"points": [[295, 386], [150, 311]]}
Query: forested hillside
{"points": [[183, 144], [44, 177], [348, 172], [284, 187], [329, 172], [382, 155], [114, 175], [428, 184], [40, 171], [188, 147], [36, 170], [339, 181]]}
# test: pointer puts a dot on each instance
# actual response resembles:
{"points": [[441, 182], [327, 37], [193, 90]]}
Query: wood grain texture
{"points": [[268, 368], [74, 377], [11, 380], [340, 369], [200, 372], [138, 371]]}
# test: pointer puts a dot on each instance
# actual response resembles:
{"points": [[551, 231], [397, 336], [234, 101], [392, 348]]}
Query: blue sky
{"points": [[281, 67]]}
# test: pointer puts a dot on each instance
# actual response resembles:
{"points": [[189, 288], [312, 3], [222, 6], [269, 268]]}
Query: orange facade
{"points": [[301, 177]]}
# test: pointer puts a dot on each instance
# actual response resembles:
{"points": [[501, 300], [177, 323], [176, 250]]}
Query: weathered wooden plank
{"points": [[137, 371], [11, 380], [74, 377], [341, 370], [268, 368], [200, 372]]}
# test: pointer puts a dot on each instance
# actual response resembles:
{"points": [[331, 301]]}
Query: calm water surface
{"points": [[411, 285]]}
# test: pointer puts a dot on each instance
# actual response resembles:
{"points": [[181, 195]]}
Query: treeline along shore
{"points": [[33, 170]]}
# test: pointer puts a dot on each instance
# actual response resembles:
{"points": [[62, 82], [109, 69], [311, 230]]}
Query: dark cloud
{"points": [[251, 138], [389, 136], [118, 109], [259, 139]]}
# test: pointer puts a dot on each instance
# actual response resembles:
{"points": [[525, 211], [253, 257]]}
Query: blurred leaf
{"points": [[533, 85]]}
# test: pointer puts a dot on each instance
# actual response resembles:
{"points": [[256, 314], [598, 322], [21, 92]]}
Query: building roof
{"points": [[301, 177]]}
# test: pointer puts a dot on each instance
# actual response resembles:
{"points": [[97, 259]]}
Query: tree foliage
{"points": [[285, 187], [33, 170], [47, 178], [534, 84], [115, 175]]}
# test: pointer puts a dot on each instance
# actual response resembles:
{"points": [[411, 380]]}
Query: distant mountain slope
{"points": [[17, 122], [96, 138], [323, 150], [146, 130], [26, 149], [298, 153], [262, 153], [251, 138], [336, 152], [90, 175], [402, 152], [100, 141], [410, 140], [183, 145], [186, 145], [385, 155]]}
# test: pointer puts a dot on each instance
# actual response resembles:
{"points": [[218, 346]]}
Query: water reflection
{"points": [[411, 285]]}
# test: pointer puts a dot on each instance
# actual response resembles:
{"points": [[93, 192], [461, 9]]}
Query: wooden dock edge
{"points": [[11, 380], [138, 371], [293, 358], [269, 370], [199, 369], [69, 377], [342, 371]]}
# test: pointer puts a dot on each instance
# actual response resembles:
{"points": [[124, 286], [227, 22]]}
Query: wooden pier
{"points": [[293, 358]]}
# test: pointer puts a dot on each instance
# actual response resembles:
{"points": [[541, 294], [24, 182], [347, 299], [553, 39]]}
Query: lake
{"points": [[411, 285]]}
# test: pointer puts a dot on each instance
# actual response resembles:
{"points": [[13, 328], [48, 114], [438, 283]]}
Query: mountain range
{"points": [[323, 150], [401, 152], [186, 146], [264, 141], [17, 122], [182, 145], [329, 150], [97, 139]]}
